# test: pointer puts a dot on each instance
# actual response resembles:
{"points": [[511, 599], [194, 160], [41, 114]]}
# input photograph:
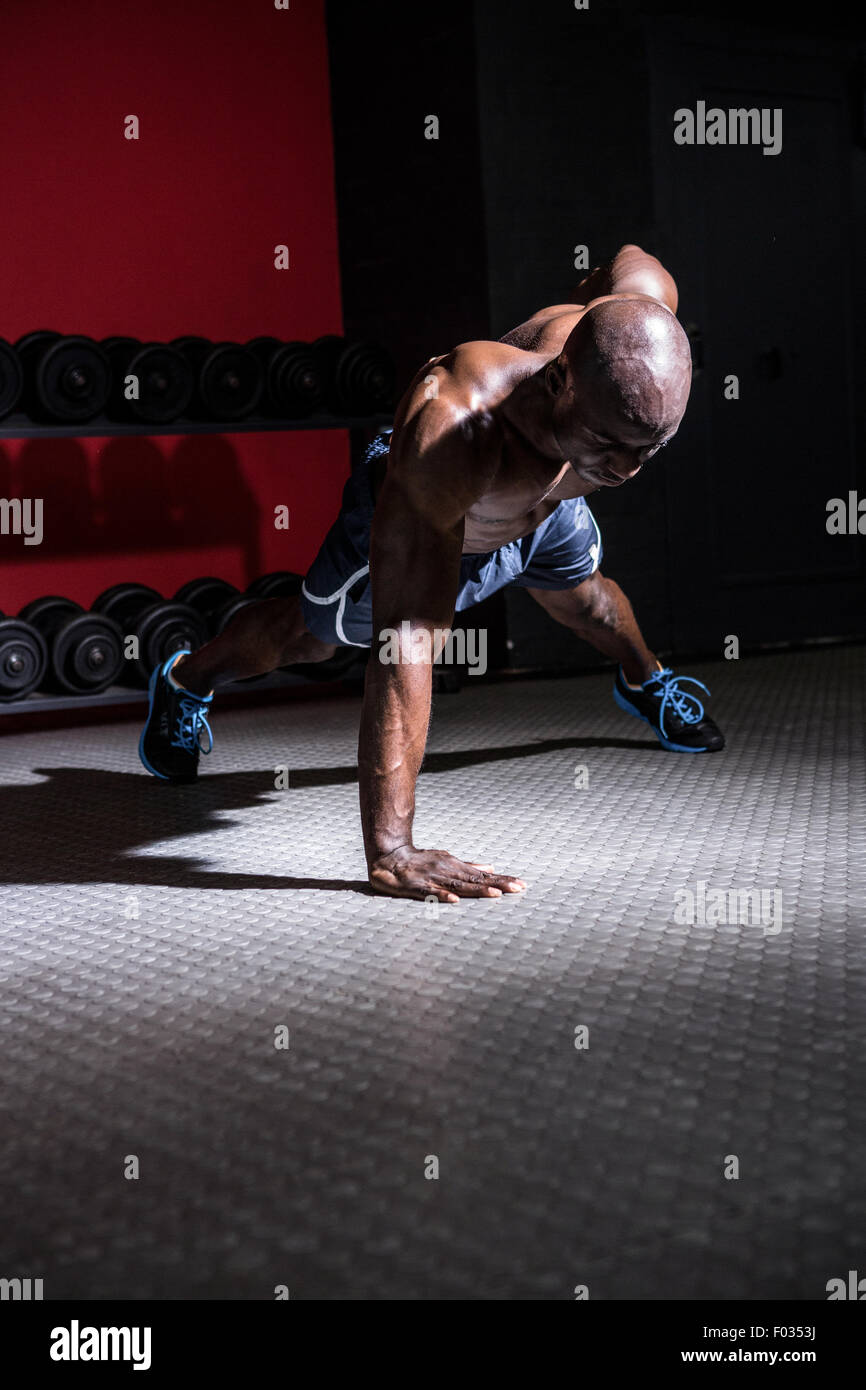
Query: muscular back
{"points": [[547, 330]]}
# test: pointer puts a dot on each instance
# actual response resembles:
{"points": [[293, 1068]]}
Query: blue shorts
{"points": [[336, 598]]}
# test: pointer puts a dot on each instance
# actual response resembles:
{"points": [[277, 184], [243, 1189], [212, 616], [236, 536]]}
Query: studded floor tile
{"points": [[625, 1080]]}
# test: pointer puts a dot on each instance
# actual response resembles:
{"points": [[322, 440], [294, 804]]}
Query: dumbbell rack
{"points": [[22, 427]]}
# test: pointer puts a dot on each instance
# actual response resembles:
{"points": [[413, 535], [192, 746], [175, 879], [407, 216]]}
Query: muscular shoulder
{"points": [[473, 376], [457, 395], [447, 436], [443, 432]]}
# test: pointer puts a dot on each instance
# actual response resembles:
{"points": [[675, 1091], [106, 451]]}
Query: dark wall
{"points": [[565, 146], [766, 250], [564, 102], [565, 122], [411, 213]]}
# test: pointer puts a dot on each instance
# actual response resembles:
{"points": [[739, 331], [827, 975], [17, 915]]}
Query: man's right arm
{"points": [[632, 271], [415, 552]]}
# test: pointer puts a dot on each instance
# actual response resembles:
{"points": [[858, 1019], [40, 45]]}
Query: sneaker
{"points": [[170, 741], [675, 715]]}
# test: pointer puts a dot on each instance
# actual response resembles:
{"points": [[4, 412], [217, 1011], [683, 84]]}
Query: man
{"points": [[494, 448]]}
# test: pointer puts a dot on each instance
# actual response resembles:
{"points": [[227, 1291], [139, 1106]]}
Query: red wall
{"points": [[173, 233]]}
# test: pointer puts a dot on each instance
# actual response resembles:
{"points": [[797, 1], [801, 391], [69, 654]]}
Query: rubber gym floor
{"points": [[359, 1097]]}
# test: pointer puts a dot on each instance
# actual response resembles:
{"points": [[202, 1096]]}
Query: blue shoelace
{"points": [[191, 722], [686, 706]]}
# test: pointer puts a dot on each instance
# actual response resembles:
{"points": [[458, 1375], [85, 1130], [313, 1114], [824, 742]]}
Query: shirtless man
{"points": [[482, 483]]}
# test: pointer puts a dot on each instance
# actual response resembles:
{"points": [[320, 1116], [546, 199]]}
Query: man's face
{"points": [[605, 447], [608, 456]]}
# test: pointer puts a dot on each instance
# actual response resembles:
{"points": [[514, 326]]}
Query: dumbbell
{"points": [[278, 584], [224, 614], [123, 603], [23, 658], [119, 340], [294, 380], [229, 379], [165, 380], [359, 376], [207, 596], [28, 349], [11, 378], [65, 378], [85, 650], [161, 626]]}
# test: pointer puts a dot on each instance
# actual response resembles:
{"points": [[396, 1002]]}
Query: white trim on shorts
{"points": [[597, 547], [341, 594]]}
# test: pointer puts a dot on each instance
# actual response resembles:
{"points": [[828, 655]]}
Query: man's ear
{"points": [[554, 377]]}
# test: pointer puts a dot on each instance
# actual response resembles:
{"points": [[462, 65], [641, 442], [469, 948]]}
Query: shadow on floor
{"points": [[85, 825]]}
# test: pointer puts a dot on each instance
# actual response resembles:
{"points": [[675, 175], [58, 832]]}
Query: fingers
{"points": [[436, 874], [507, 882], [433, 890], [446, 888], [391, 887], [464, 888], [456, 878], [458, 888]]}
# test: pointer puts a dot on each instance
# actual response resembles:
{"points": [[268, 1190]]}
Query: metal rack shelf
{"points": [[22, 427], [39, 703]]}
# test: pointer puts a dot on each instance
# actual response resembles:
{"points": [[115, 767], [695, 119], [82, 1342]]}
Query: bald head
{"points": [[631, 358]]}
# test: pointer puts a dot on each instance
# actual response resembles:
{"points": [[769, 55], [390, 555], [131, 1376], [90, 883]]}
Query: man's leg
{"points": [[598, 611], [262, 637], [334, 602]]}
